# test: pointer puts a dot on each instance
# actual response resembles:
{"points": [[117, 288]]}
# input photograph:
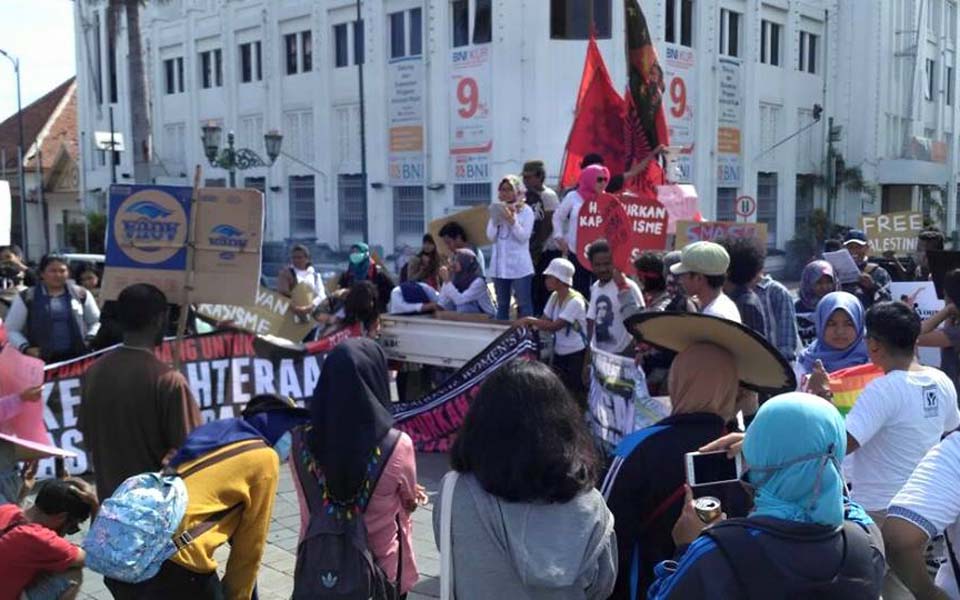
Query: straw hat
{"points": [[760, 366]]}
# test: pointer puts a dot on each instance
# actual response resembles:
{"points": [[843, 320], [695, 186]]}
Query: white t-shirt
{"points": [[571, 338], [609, 334], [930, 500], [723, 307], [896, 420], [313, 279]]}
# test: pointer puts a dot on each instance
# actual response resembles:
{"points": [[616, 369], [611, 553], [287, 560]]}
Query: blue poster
{"points": [[147, 227]]}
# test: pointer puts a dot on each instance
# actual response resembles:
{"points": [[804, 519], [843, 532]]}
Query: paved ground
{"points": [[276, 571]]}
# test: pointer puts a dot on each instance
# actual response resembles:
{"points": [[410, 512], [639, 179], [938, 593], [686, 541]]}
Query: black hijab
{"points": [[349, 414]]}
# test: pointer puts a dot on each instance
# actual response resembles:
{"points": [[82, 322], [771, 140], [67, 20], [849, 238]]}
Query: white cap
{"points": [[562, 269]]}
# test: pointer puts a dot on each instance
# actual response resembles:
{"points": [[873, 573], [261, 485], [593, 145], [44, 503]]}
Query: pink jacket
{"points": [[397, 487]]}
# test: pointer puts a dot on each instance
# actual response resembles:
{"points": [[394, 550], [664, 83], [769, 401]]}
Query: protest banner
{"points": [[6, 212], [474, 222], [681, 202], [922, 297], [648, 224], [147, 242], [711, 231], [433, 421], [605, 217], [848, 384], [270, 315], [618, 401], [893, 232]]}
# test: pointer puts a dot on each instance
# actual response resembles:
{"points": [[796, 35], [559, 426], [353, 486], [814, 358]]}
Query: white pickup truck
{"points": [[439, 342]]}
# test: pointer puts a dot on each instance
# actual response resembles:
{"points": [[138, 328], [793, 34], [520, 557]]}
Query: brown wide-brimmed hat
{"points": [[760, 367]]}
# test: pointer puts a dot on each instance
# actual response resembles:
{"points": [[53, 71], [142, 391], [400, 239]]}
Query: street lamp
{"points": [[20, 157], [232, 159]]}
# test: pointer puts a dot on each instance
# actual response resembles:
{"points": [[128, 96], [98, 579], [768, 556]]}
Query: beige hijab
{"points": [[704, 379]]}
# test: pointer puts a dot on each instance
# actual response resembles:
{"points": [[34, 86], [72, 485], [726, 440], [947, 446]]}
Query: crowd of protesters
{"points": [[828, 505]]}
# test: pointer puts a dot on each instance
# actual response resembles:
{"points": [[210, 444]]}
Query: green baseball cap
{"points": [[705, 258]]}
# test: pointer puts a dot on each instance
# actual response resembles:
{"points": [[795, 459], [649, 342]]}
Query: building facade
{"points": [[458, 93]]}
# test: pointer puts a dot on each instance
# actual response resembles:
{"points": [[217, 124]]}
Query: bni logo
{"points": [[229, 238]]}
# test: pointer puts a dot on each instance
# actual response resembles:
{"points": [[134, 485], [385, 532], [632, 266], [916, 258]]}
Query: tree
{"points": [[139, 102]]}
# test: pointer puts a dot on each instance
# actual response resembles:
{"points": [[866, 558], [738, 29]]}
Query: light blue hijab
{"points": [[835, 359], [793, 450]]}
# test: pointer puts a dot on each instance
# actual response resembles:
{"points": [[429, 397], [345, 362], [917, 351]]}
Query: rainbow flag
{"points": [[847, 384]]}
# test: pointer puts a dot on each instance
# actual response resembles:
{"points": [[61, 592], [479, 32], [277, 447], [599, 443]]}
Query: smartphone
{"points": [[712, 467]]}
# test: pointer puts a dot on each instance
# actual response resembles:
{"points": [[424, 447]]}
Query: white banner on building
{"points": [[405, 117], [471, 121], [679, 76], [6, 219], [729, 123]]}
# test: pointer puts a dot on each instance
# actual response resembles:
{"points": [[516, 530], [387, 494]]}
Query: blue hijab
{"points": [[835, 359], [793, 451]]}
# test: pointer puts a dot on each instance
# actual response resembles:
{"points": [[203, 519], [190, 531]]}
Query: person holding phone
{"points": [[803, 538], [644, 487]]}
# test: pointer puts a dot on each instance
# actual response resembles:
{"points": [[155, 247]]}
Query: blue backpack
{"points": [[133, 534]]}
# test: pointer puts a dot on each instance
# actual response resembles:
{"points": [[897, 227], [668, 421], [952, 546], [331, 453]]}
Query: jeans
{"points": [[569, 367], [522, 288]]}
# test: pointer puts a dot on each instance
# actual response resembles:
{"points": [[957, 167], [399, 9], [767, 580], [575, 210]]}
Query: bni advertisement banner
{"points": [[405, 116], [729, 123], [678, 64], [471, 122]]}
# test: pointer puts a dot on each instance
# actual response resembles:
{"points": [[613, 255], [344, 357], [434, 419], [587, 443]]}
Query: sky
{"points": [[40, 34]]}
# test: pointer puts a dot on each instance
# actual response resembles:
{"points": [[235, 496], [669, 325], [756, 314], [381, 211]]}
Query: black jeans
{"points": [[171, 582], [582, 278], [569, 367]]}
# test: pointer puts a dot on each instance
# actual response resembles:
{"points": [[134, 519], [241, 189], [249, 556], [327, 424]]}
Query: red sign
{"points": [[604, 217], [648, 223]]}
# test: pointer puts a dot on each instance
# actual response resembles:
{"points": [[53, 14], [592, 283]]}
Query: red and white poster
{"points": [[605, 218], [471, 122], [678, 67], [648, 223]]}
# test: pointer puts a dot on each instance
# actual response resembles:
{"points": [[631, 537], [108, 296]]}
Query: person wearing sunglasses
{"points": [[803, 538], [35, 559]]}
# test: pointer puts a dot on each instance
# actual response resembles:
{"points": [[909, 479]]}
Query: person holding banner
{"points": [[301, 271], [593, 181], [54, 320], [510, 227]]}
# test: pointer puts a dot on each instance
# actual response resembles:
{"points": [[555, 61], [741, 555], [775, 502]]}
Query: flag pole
{"points": [[191, 268]]}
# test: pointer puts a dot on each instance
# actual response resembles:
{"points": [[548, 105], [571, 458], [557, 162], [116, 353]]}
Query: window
{"points": [[398, 42], [211, 69], [306, 50], [678, 28], [483, 22], [808, 52], [218, 182], [351, 204], [298, 134], [460, 11], [98, 68], [949, 86], [290, 43], [341, 49], [250, 67], [174, 140], [570, 19], [416, 32], [250, 132], [769, 124], [173, 75], [767, 205], [729, 33], [408, 215], [471, 194], [255, 183], [303, 207], [112, 69], [770, 43], [358, 54], [805, 202], [929, 73], [726, 198], [951, 18], [299, 52]]}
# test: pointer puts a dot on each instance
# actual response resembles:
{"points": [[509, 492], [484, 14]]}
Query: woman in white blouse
{"points": [[464, 290], [510, 227], [301, 271]]}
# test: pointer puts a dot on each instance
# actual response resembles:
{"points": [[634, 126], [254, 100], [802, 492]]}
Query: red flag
{"points": [[598, 123], [646, 123]]}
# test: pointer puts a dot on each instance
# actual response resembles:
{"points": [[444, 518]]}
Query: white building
{"points": [[461, 92]]}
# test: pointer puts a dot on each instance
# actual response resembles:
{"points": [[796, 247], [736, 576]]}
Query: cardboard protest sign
{"points": [[922, 297], [271, 314], [648, 223], [892, 232], [474, 222], [6, 208], [604, 217], [942, 262], [147, 238], [682, 204], [711, 231]]}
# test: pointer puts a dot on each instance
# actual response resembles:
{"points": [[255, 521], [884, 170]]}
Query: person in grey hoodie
{"points": [[527, 522]]}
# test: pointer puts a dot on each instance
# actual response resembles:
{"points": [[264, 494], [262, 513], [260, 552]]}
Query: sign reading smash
{"points": [[711, 231]]}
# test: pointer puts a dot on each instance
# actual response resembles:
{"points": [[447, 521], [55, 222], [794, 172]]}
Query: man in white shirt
{"points": [[927, 506], [897, 418], [702, 271], [605, 327]]}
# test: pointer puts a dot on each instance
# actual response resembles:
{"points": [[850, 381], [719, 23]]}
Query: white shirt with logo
{"points": [[896, 420], [609, 333], [931, 501], [572, 337]]}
